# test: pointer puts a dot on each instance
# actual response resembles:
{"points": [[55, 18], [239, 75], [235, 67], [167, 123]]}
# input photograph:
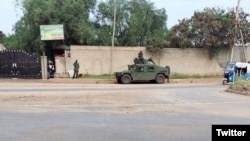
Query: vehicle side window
{"points": [[140, 69], [151, 69]]}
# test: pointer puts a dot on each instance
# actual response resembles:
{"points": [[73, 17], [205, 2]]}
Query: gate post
{"points": [[44, 67]]}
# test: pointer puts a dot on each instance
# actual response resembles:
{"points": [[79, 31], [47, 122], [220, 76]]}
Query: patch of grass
{"points": [[173, 76], [103, 76], [183, 76], [241, 82]]}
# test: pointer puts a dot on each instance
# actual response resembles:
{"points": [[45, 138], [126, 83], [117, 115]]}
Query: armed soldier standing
{"points": [[76, 69], [140, 56], [140, 59]]}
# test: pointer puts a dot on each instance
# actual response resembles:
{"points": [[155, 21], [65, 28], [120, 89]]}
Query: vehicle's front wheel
{"points": [[160, 79], [126, 79]]}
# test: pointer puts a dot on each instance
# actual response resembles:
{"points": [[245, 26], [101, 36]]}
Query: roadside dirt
{"points": [[84, 101], [69, 102]]}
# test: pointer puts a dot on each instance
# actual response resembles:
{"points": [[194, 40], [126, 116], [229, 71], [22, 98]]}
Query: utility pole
{"points": [[237, 25], [235, 29], [113, 38], [241, 35]]}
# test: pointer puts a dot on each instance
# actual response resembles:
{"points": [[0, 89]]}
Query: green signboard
{"points": [[52, 32]]}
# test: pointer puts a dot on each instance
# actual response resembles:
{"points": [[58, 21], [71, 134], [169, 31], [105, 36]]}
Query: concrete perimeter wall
{"points": [[97, 60]]}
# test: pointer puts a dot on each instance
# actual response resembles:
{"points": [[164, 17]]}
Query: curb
{"points": [[238, 90], [246, 93], [103, 81]]}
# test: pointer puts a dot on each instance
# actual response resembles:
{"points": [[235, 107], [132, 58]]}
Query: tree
{"points": [[146, 22], [74, 15], [242, 25], [155, 46], [104, 21], [213, 28], [136, 22], [11, 41]]}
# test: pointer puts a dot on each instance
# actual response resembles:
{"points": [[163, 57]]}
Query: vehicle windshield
{"points": [[230, 67]]}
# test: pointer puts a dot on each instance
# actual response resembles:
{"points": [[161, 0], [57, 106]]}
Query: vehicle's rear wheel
{"points": [[126, 79], [160, 79]]}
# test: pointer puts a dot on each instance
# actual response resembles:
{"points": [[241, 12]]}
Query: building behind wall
{"points": [[61, 58]]}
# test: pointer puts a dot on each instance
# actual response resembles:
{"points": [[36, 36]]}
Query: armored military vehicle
{"points": [[143, 70]]}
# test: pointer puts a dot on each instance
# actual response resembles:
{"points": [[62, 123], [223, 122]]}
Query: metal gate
{"points": [[19, 64]]}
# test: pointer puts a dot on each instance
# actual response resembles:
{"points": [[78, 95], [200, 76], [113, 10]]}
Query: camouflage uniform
{"points": [[76, 69]]}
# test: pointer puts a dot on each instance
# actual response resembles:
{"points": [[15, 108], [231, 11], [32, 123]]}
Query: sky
{"points": [[179, 9], [175, 9]]}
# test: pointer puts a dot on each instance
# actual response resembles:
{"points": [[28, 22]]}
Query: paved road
{"points": [[112, 112]]}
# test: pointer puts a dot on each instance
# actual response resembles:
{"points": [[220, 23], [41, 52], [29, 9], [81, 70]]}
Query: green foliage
{"points": [[136, 22], [2, 35], [179, 42], [241, 82], [74, 15], [104, 76], [185, 76], [11, 42], [155, 46], [242, 24], [212, 29]]}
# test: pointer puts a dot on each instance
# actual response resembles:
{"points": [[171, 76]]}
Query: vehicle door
{"points": [[140, 72], [145, 72], [151, 72]]}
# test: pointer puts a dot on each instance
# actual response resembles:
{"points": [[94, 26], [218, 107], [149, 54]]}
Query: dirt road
{"points": [[57, 95]]}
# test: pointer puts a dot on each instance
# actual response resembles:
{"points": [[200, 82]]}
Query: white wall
{"points": [[97, 60]]}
